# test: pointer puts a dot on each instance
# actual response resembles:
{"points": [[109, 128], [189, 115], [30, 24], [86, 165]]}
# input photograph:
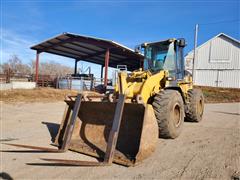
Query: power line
{"points": [[221, 22]]}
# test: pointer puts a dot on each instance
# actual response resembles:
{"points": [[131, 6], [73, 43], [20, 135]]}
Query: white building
{"points": [[217, 62]]}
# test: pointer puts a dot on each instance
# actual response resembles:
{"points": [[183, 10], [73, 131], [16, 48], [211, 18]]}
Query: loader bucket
{"points": [[137, 137]]}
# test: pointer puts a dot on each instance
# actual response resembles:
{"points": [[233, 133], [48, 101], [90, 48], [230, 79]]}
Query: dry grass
{"points": [[220, 95], [212, 95], [35, 95]]}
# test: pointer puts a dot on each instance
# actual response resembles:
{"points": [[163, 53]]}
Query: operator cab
{"points": [[165, 55]]}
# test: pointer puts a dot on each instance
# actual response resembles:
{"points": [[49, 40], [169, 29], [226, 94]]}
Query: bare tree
{"points": [[16, 66], [51, 68]]}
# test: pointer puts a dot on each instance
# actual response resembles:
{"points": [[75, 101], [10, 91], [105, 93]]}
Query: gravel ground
{"points": [[209, 149]]}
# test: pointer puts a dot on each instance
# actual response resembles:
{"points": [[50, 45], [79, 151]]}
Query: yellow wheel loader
{"points": [[158, 97], [148, 103]]}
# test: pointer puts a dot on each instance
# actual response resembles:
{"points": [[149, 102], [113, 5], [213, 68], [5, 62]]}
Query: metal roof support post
{"points": [[101, 73], [107, 54], [37, 66], [75, 67]]}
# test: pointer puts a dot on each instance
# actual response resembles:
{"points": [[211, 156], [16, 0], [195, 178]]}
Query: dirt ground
{"points": [[209, 149]]}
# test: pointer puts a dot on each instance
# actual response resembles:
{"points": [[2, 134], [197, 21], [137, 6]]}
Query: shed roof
{"points": [[90, 49]]}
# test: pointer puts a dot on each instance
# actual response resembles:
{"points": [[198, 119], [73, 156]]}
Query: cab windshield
{"points": [[159, 56]]}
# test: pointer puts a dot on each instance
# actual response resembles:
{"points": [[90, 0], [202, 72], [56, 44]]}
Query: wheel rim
{"points": [[200, 107], [177, 114]]}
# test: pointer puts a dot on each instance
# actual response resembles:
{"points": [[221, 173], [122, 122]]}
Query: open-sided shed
{"points": [[104, 52]]}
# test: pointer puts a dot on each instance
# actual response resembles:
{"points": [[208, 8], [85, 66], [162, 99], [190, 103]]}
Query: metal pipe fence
{"points": [[79, 83]]}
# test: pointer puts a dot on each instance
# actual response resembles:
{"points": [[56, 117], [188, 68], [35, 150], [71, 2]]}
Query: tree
{"points": [[51, 68], [16, 66]]}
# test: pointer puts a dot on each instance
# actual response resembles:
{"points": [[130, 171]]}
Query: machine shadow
{"points": [[53, 129], [235, 114], [6, 176], [55, 164]]}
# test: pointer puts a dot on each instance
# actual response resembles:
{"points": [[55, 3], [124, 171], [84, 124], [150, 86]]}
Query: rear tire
{"points": [[195, 106], [169, 111]]}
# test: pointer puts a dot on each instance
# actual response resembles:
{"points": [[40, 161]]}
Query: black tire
{"points": [[169, 111], [195, 105]]}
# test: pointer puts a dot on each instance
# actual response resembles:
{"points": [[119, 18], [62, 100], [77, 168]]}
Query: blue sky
{"points": [[25, 23]]}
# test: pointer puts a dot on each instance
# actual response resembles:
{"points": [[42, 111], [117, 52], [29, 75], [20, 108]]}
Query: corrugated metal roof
{"points": [[90, 49]]}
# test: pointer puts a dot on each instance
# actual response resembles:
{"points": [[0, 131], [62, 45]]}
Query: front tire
{"points": [[195, 105], [169, 111]]}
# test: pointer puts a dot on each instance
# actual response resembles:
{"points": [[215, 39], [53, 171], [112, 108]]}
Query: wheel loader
{"points": [[124, 126], [158, 97]]}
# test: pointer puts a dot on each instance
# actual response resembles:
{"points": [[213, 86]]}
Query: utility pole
{"points": [[194, 53]]}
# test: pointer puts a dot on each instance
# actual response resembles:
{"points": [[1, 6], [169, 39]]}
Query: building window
{"points": [[188, 63]]}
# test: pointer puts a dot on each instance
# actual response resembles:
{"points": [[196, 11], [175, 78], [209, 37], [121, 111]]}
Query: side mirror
{"points": [[182, 42], [138, 49]]}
